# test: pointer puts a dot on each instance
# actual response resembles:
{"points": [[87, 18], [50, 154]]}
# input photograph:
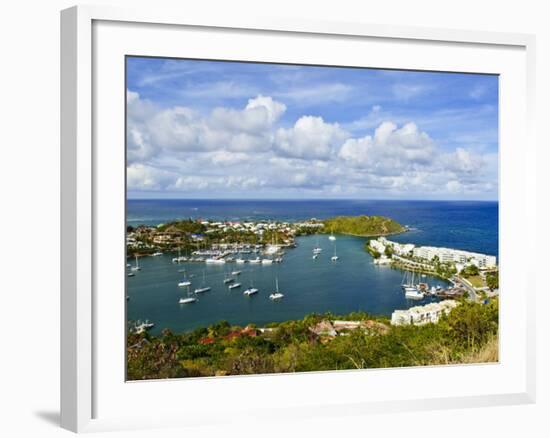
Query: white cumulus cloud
{"points": [[310, 138]]}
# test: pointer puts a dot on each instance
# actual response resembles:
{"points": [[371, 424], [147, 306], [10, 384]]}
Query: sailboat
{"points": [[228, 279], [334, 257], [136, 267], [251, 290], [185, 282], [332, 236], [413, 294], [411, 290], [317, 249], [203, 288], [408, 280], [189, 299], [177, 259], [276, 295]]}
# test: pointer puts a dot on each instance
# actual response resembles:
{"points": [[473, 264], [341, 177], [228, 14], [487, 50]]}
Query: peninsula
{"points": [[363, 226], [189, 235]]}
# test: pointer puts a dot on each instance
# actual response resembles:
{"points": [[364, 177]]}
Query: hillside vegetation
{"points": [[367, 226], [468, 334]]}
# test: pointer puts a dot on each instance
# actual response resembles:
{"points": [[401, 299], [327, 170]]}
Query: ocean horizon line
{"points": [[314, 199]]}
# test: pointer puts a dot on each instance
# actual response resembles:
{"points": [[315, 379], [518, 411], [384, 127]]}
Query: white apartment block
{"points": [[448, 255], [398, 248], [420, 315]]}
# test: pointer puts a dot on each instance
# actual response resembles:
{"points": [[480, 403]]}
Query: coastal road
{"points": [[471, 290]]}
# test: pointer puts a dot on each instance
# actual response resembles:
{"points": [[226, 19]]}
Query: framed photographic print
{"points": [[326, 211]]}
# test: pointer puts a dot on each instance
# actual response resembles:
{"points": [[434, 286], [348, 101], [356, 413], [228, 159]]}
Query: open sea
{"points": [[352, 283]]}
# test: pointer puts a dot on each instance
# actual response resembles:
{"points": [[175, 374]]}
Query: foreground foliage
{"points": [[468, 334]]}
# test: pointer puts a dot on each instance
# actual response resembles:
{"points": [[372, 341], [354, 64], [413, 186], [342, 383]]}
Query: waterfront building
{"points": [[419, 315], [445, 255], [449, 255], [381, 243]]}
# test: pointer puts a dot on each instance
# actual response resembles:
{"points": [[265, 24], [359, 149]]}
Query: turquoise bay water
{"points": [[352, 283]]}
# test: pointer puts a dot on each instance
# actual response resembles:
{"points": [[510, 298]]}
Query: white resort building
{"points": [[419, 315], [448, 255], [428, 253], [381, 243]]}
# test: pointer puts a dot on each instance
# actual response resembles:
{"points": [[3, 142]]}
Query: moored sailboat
{"points": [[276, 295], [185, 282], [334, 257], [189, 299], [136, 267], [203, 287]]}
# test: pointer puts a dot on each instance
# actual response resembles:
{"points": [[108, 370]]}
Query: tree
{"points": [[492, 280], [388, 251], [470, 271]]}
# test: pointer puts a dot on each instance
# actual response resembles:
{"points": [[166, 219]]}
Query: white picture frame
{"points": [[90, 392]]}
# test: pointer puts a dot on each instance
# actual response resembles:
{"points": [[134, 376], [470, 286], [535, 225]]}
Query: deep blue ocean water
{"points": [[353, 283]]}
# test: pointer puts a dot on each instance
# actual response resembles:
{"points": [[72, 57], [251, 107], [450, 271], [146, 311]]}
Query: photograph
{"points": [[289, 218]]}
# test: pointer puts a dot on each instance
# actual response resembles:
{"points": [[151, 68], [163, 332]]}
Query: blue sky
{"points": [[209, 129]]}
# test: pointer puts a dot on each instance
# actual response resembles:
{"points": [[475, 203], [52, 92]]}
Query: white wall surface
{"points": [[29, 218]]}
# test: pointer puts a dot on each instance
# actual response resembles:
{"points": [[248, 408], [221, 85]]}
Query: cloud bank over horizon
{"points": [[208, 129]]}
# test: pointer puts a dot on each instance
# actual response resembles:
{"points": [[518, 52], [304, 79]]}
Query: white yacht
{"points": [[276, 295], [250, 291], [131, 274], [142, 327], [267, 261], [317, 249], [334, 257], [157, 254], [185, 282], [189, 299], [215, 261], [240, 261], [413, 294], [234, 285], [332, 236], [236, 273], [256, 260], [271, 249], [203, 287]]}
